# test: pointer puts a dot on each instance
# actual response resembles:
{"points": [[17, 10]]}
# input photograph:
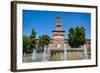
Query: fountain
{"points": [[40, 56], [85, 52], [45, 54], [61, 56], [65, 52], [34, 55]]}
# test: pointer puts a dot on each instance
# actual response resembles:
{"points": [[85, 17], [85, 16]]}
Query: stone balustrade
{"points": [[72, 54]]}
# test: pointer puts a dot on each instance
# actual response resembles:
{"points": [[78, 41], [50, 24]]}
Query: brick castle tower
{"points": [[58, 35]]}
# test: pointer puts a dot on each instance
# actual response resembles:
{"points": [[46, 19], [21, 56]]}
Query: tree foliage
{"points": [[29, 42], [26, 45], [44, 40], [33, 38], [33, 34], [76, 37]]}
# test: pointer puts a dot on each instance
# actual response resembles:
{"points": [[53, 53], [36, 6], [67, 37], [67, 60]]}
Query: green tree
{"points": [[25, 41], [26, 45], [82, 37], [76, 37], [33, 39], [33, 34], [44, 40], [29, 42]]}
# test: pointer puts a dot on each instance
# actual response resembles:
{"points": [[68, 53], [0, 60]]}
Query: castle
{"points": [[58, 40], [59, 49]]}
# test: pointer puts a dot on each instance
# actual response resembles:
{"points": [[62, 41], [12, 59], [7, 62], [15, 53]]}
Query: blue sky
{"points": [[45, 21]]}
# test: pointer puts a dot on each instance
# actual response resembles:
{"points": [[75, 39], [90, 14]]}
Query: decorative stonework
{"points": [[72, 54]]}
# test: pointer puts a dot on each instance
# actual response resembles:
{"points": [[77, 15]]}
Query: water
{"points": [[85, 52], [40, 56], [65, 52], [34, 55], [45, 54]]}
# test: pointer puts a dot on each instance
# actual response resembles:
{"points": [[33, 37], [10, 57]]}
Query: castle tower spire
{"points": [[58, 24]]}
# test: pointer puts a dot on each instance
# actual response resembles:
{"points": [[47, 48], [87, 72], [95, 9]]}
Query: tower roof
{"points": [[58, 20], [58, 24]]}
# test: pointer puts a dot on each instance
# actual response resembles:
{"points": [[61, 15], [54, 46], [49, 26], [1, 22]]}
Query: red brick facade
{"points": [[58, 35]]}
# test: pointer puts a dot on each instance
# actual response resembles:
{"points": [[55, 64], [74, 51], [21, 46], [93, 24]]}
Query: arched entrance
{"points": [[58, 45]]}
